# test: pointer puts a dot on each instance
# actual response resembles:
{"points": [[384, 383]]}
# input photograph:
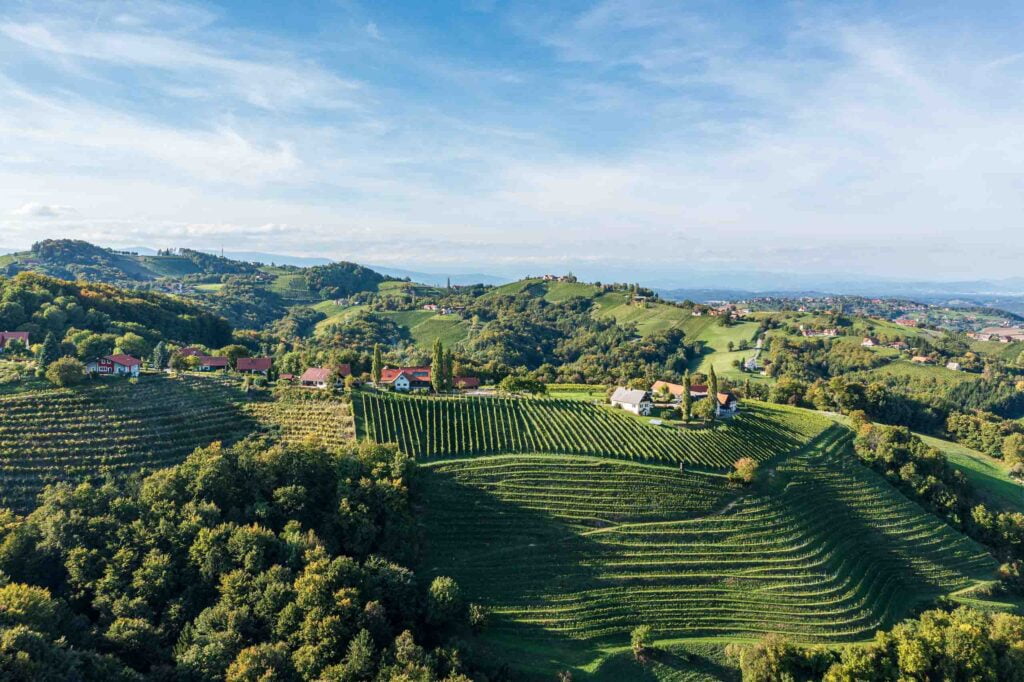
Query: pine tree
{"points": [[437, 367], [50, 352], [378, 365], [687, 398]]}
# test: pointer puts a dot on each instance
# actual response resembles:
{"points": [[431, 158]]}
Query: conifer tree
{"points": [[449, 370], [50, 352], [713, 390], [378, 365], [437, 366], [687, 404], [160, 355]]}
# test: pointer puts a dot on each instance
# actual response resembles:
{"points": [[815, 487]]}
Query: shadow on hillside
{"points": [[505, 555]]}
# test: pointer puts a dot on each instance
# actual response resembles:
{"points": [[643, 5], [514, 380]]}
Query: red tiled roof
{"points": [[190, 351], [674, 389], [212, 361], [466, 382], [316, 374], [122, 359], [253, 364], [388, 375], [287, 377], [698, 388], [725, 398]]}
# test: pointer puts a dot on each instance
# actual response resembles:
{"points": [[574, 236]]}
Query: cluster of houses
{"points": [[401, 379], [1000, 334], [7, 337], [442, 310], [870, 342], [813, 333], [212, 363], [641, 402]]}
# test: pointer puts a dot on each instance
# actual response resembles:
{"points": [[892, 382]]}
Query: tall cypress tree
{"points": [[713, 388], [378, 364], [50, 352], [437, 366], [687, 398], [449, 370]]}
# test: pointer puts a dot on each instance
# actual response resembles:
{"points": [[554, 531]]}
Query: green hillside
{"points": [[112, 427], [989, 476], [441, 427], [571, 553]]}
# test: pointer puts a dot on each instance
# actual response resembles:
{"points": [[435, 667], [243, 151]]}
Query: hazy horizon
{"points": [[847, 140]]}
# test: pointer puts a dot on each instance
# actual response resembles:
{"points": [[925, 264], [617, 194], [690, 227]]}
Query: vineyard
{"points": [[112, 428], [429, 427], [296, 418], [584, 549]]}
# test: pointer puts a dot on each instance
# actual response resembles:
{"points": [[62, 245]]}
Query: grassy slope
{"points": [[571, 552], [912, 370], [988, 475]]}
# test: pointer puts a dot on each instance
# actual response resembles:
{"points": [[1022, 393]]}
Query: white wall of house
{"points": [[401, 383]]}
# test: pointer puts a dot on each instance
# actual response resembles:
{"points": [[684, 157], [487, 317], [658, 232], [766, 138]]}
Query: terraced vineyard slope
{"points": [[576, 551], [298, 417], [112, 428], [429, 427]]}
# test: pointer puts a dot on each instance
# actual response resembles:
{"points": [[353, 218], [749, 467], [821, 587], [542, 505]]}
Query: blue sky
{"points": [[662, 137]]}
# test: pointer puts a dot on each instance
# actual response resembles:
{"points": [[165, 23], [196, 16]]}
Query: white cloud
{"points": [[373, 31], [34, 210]]}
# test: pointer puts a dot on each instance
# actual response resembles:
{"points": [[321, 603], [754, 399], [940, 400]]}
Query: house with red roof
{"points": [[7, 337], [211, 363], [191, 351], [319, 377], [115, 365], [254, 365], [405, 378]]}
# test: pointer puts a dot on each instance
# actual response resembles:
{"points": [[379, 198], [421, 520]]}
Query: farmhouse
{"points": [[210, 363], [899, 345], [319, 377], [115, 365], [675, 390], [7, 337], [921, 359], [728, 404], [254, 365], [906, 321], [955, 366], [636, 401], [430, 306], [868, 342], [405, 378], [466, 383], [698, 391]]}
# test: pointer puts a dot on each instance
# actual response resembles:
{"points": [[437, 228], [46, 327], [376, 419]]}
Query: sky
{"points": [[674, 139]]}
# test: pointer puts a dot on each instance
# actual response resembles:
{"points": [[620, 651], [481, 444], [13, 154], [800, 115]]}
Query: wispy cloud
{"points": [[527, 132], [35, 210]]}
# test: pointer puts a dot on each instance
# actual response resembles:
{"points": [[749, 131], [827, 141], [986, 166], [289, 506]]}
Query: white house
{"points": [[955, 366], [115, 365], [728, 404], [636, 401], [868, 342]]}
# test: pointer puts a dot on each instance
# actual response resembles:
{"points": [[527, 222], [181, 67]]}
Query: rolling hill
{"points": [[571, 552]]}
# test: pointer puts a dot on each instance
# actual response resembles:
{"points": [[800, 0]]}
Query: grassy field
{"points": [[443, 427], [989, 476], [209, 287], [111, 427], [570, 553], [936, 374]]}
